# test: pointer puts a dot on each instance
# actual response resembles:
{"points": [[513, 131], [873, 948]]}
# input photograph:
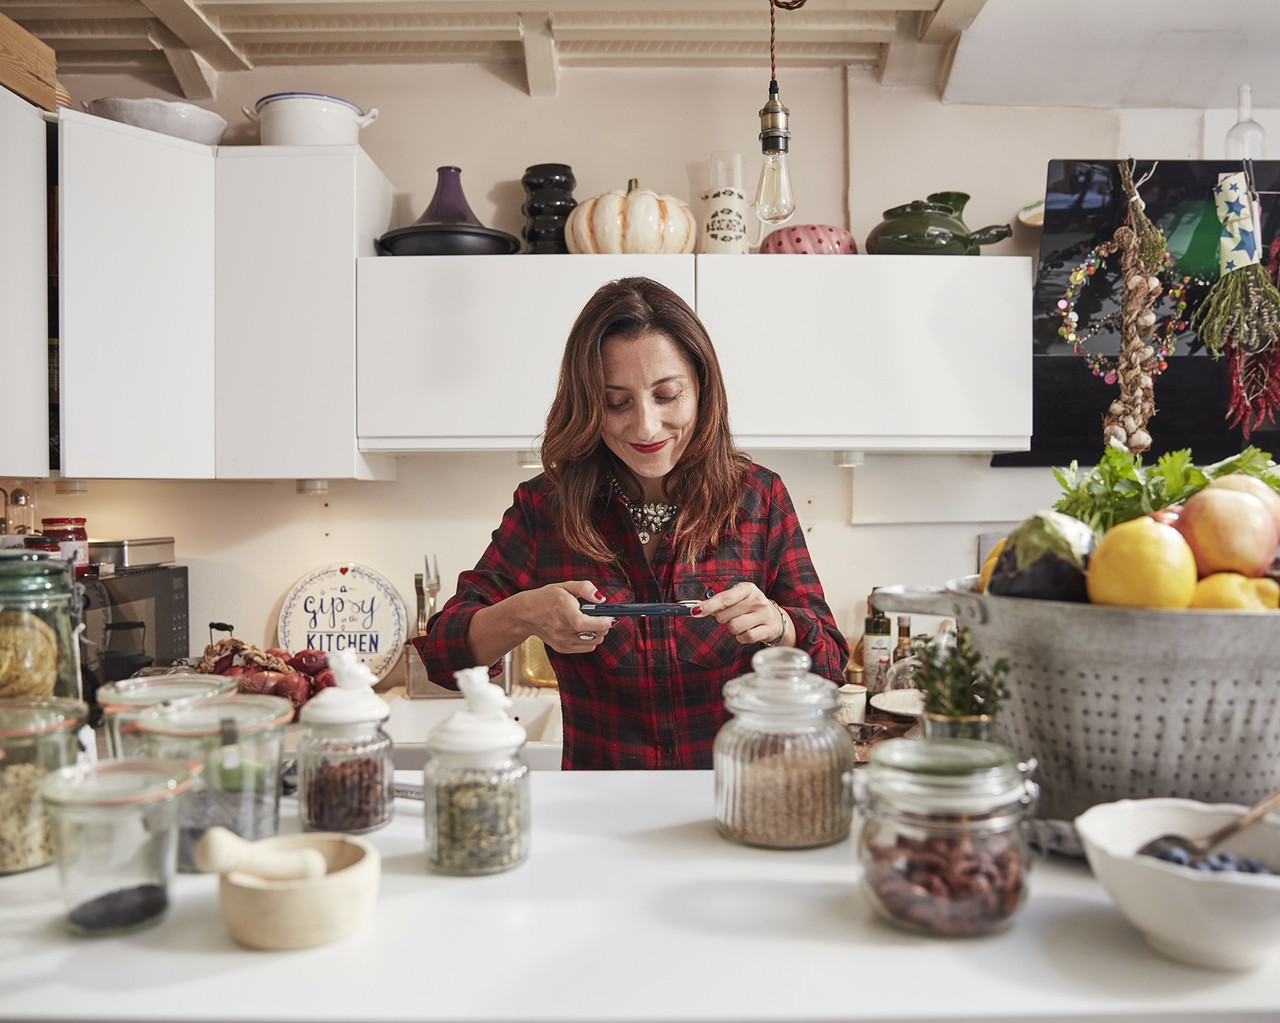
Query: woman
{"points": [[644, 498]]}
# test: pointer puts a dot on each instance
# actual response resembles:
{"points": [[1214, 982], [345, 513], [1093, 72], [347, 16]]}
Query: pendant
{"points": [[644, 536]]}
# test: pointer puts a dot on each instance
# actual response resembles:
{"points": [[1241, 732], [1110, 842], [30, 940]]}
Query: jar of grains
{"points": [[943, 845], [782, 761], [38, 652], [37, 737], [475, 785], [345, 767], [238, 741]]}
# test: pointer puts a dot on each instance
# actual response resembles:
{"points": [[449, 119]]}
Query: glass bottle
{"points": [[877, 647], [904, 648], [345, 771], [1246, 139], [475, 785], [942, 846], [781, 761], [37, 737], [40, 654]]}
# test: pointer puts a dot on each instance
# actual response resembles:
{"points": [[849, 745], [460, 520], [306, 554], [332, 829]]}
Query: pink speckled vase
{"points": [[809, 240]]}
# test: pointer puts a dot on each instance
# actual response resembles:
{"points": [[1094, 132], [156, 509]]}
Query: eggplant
{"points": [[1045, 557]]}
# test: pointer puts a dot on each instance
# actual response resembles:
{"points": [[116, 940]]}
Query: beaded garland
{"points": [[1074, 334]]}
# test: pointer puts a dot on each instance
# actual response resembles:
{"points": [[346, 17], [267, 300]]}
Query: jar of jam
{"points": [[73, 540], [942, 846]]}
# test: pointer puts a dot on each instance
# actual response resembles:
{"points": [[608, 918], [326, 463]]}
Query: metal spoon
{"points": [[1198, 848]]}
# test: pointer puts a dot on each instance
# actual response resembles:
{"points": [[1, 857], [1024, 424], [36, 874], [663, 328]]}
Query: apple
{"points": [[1228, 531], [1252, 485]]}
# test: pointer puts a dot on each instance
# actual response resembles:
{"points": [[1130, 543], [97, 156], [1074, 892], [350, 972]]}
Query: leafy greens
{"points": [[1120, 487]]}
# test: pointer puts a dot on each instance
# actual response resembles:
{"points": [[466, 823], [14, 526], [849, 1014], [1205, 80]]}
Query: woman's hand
{"points": [[750, 616], [553, 616]]}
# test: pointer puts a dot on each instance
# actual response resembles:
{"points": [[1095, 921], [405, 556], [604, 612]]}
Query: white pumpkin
{"points": [[633, 221]]}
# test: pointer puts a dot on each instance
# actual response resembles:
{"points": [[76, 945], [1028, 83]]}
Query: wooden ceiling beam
{"points": [[541, 60], [185, 20]]}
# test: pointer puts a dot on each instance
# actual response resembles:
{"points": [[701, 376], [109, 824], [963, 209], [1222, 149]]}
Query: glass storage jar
{"points": [[115, 827], [73, 540], [475, 785], [781, 762], [38, 652], [943, 844], [37, 737], [238, 740], [345, 767], [124, 700]]}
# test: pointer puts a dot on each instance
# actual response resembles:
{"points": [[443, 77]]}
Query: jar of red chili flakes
{"points": [[943, 845]]}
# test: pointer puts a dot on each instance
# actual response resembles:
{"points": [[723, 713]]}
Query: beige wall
{"points": [[858, 149]]}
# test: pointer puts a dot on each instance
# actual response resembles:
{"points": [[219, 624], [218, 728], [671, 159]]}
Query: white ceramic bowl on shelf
{"points": [[1216, 919], [181, 120]]}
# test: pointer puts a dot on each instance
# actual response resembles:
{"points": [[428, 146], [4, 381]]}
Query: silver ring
{"points": [[586, 637]]}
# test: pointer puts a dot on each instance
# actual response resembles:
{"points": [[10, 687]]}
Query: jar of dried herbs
{"points": [[345, 767], [475, 785], [782, 762]]}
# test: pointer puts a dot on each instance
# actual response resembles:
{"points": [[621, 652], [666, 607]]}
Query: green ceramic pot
{"points": [[931, 228]]}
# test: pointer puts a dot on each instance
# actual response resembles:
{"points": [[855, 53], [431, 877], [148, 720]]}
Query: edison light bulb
{"points": [[775, 201], [1246, 139]]}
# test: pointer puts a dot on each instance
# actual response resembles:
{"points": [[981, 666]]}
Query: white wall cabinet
{"points": [[291, 222], [463, 352], [135, 223], [873, 353], [24, 326], [901, 353]]}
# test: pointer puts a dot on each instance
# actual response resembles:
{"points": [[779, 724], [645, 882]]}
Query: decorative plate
{"points": [[345, 606], [905, 703]]}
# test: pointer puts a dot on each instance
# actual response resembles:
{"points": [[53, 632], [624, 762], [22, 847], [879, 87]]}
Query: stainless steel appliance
{"points": [[132, 619]]}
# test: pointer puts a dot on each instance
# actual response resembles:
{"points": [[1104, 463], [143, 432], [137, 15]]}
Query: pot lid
{"points": [[306, 95]]}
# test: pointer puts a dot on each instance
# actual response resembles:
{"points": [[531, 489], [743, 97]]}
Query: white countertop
{"points": [[629, 908]]}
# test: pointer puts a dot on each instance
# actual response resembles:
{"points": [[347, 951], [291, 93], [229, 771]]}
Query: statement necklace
{"points": [[649, 518]]}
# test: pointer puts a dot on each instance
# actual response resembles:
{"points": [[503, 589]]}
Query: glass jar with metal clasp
{"points": [[38, 652], [943, 844]]}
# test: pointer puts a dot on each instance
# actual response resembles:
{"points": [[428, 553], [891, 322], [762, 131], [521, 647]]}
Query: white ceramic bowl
{"points": [[181, 120], [1217, 919], [300, 914]]}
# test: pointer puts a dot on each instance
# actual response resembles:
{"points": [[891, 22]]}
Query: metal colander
{"points": [[1116, 703]]}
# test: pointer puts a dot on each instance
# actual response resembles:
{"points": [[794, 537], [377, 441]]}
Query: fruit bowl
{"points": [[1224, 920]]}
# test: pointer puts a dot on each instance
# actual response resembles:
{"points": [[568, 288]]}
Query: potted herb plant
{"points": [[961, 697]]}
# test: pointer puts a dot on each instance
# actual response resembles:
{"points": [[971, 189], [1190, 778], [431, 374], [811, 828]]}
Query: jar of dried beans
{"points": [[782, 761], [942, 845], [345, 768], [475, 785]]}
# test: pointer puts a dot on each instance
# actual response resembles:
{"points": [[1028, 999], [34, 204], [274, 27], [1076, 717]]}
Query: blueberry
{"points": [[1174, 854]]}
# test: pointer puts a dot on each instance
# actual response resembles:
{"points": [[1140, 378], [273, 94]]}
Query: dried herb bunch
{"points": [[954, 682]]}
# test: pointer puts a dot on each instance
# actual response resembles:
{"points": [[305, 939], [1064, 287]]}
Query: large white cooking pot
{"points": [[309, 119]]}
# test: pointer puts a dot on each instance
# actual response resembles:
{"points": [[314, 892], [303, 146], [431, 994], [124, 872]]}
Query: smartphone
{"points": [[679, 609]]}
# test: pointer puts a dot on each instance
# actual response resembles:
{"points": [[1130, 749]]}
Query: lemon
{"points": [[989, 563], [1234, 591], [1142, 563]]}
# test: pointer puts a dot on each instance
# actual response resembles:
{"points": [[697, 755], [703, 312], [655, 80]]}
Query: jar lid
{"points": [[118, 782], [63, 522], [246, 712], [277, 96], [483, 726], [45, 567], [948, 775], [781, 684], [334, 706], [148, 690], [20, 718]]}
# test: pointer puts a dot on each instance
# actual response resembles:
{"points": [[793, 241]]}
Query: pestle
{"points": [[221, 851]]}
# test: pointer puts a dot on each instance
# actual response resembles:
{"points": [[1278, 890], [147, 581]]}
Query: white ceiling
{"points": [[1108, 53]]}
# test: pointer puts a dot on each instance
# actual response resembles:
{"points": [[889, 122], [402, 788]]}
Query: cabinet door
{"points": [[24, 328], [291, 222], [136, 289], [463, 352], [874, 353]]}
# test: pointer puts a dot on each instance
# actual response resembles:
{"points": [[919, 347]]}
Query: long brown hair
{"points": [[704, 484]]}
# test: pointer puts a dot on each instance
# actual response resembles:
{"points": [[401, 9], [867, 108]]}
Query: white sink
{"points": [[411, 720]]}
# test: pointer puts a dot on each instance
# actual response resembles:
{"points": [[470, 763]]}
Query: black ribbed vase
{"points": [[548, 202]]}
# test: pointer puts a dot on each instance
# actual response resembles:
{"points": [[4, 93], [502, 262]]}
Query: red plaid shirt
{"points": [[649, 695]]}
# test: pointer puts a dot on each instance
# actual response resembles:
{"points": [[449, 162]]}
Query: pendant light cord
{"points": [[786, 5]]}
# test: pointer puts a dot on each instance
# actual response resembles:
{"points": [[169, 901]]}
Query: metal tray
{"points": [[155, 550]]}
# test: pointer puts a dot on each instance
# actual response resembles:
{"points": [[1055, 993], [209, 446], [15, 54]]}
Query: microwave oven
{"points": [[133, 619]]}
